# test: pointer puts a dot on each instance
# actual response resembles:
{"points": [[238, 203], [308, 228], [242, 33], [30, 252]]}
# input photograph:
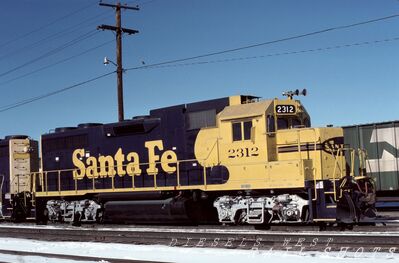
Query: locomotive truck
{"points": [[233, 160]]}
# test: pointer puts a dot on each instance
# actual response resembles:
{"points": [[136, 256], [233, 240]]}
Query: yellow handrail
{"points": [[336, 160]]}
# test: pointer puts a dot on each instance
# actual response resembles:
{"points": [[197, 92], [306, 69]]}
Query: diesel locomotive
{"points": [[234, 160]]}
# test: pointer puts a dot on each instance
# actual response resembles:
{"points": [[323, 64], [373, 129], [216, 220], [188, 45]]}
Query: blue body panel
{"points": [[167, 124]]}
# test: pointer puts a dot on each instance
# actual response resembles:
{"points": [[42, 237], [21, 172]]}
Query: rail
{"points": [[363, 238]]}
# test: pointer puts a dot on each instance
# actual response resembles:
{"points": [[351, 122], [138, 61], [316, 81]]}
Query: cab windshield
{"points": [[284, 123]]}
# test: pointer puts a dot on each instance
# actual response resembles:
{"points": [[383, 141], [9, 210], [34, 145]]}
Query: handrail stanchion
{"points": [[34, 182], [76, 184], [205, 183], [300, 152], [314, 170], [178, 173], [352, 173], [362, 161], [59, 181], [335, 169], [42, 180], [46, 180], [33, 189], [298, 144], [134, 175]]}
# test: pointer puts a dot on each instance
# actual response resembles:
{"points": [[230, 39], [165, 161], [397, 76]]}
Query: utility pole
{"points": [[118, 29]]}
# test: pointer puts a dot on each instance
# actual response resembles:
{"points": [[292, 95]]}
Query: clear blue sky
{"points": [[350, 85]]}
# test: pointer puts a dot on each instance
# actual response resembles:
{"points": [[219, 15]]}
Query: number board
{"points": [[285, 109]]}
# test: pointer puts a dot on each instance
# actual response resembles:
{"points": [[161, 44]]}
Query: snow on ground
{"points": [[181, 254], [34, 259]]}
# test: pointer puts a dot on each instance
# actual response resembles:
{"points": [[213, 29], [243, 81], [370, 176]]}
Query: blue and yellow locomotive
{"points": [[231, 160]]}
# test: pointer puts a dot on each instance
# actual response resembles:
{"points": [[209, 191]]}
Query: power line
{"points": [[277, 40], [147, 2], [155, 66], [54, 36], [30, 100], [56, 63], [52, 52], [46, 25], [139, 4]]}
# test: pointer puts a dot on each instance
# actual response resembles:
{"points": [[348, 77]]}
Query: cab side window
{"points": [[247, 130], [241, 130], [270, 124], [237, 135]]}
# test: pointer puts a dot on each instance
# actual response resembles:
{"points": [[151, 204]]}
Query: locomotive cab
{"points": [[296, 172], [250, 138]]}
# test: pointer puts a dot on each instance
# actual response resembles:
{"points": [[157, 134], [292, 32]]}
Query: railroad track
{"points": [[216, 237], [72, 257]]}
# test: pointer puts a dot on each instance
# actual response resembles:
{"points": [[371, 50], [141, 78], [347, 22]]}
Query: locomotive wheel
{"points": [[76, 219]]}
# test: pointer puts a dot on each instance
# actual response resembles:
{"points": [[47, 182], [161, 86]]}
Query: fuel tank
{"points": [[167, 211]]}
